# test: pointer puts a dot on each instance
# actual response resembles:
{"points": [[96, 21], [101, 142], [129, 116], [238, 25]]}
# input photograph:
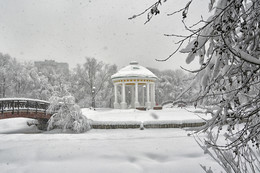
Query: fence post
{"points": [[45, 108], [13, 106], [18, 106], [36, 105], [27, 107], [2, 107]]}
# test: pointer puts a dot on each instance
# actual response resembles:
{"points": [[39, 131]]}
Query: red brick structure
{"points": [[24, 107], [25, 114]]}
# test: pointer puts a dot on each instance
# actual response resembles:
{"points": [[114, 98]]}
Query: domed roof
{"points": [[134, 70]]}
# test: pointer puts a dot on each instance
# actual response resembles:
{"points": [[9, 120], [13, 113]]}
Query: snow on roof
{"points": [[134, 70]]}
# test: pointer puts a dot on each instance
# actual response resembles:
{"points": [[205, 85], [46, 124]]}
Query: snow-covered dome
{"points": [[134, 71]]}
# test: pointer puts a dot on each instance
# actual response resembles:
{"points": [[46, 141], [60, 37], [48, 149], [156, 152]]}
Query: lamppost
{"points": [[93, 97], [181, 98]]}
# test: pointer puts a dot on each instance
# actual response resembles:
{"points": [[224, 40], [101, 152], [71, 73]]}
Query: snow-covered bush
{"points": [[66, 115]]}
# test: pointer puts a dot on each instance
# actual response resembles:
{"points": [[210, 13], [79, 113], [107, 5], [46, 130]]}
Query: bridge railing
{"points": [[16, 105]]}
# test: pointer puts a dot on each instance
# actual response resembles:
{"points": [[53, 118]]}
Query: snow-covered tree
{"points": [[22, 81], [42, 87], [67, 114], [93, 86], [6, 74], [227, 45], [171, 83]]}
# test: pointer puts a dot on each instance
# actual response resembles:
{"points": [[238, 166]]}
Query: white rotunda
{"points": [[137, 79]]}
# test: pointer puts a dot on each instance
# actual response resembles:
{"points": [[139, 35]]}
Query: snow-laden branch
{"points": [[247, 57]]}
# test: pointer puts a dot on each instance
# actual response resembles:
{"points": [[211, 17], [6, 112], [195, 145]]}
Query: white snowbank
{"points": [[179, 115], [17, 125], [133, 151], [120, 150]]}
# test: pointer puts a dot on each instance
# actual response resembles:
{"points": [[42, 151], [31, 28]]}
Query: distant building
{"points": [[51, 66]]}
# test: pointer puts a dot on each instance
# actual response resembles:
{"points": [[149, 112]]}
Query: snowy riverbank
{"points": [[127, 150], [117, 150], [167, 114]]}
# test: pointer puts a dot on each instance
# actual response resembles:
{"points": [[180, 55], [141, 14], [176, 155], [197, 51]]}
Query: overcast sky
{"points": [[70, 30]]}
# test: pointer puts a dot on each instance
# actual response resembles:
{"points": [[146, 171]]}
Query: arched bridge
{"points": [[24, 107]]}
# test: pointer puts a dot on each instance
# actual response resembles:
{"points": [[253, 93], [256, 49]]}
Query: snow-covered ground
{"points": [[168, 114], [118, 150]]}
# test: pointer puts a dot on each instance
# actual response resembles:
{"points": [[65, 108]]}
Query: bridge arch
{"points": [[24, 107]]}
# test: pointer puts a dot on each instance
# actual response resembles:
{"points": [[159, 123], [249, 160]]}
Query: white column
{"points": [[123, 103], [143, 88], [136, 95], [153, 94], [132, 97], [116, 105], [148, 103]]}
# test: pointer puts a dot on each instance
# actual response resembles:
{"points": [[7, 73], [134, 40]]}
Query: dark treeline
{"points": [[89, 82]]}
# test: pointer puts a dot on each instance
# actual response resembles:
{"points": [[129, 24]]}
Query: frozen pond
{"points": [[120, 150]]}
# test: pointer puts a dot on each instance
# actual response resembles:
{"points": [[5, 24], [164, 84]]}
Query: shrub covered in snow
{"points": [[66, 115]]}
